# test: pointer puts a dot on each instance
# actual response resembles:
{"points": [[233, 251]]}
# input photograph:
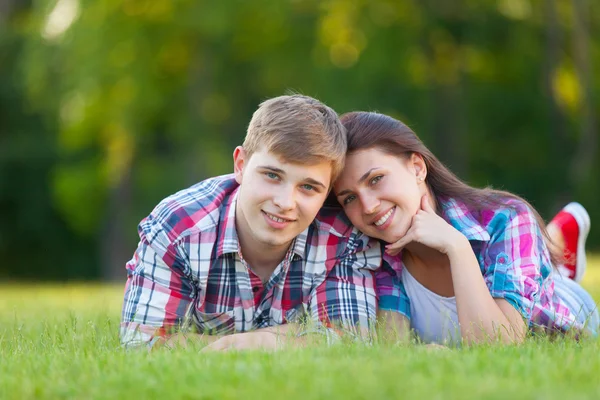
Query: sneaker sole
{"points": [[583, 221]]}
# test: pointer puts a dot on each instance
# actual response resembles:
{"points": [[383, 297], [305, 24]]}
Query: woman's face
{"points": [[381, 193]]}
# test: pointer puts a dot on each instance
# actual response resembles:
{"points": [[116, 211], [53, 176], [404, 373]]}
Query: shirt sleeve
{"points": [[158, 291], [516, 259], [390, 289], [347, 297]]}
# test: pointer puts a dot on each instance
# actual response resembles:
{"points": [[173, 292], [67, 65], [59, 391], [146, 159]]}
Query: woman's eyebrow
{"points": [[343, 192], [366, 175], [360, 180]]}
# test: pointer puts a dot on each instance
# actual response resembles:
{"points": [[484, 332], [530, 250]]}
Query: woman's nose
{"points": [[369, 204]]}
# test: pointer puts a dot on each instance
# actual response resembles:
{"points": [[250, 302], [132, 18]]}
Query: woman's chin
{"points": [[390, 235], [384, 236], [391, 240]]}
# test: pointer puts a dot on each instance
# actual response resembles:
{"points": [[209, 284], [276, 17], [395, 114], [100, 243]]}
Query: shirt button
{"points": [[255, 289]]}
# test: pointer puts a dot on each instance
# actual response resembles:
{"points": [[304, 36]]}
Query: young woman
{"points": [[462, 264]]}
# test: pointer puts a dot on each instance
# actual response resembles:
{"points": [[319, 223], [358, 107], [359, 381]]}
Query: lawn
{"points": [[61, 342]]}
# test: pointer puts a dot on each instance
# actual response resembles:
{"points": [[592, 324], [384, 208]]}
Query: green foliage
{"points": [[129, 101]]}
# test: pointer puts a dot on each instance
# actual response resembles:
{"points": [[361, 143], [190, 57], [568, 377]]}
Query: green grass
{"points": [[62, 342]]}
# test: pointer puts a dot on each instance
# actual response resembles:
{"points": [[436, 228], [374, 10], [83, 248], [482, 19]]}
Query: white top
{"points": [[433, 317]]}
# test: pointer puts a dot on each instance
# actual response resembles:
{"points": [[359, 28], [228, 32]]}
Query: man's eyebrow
{"points": [[282, 172], [360, 180], [272, 168], [315, 182]]}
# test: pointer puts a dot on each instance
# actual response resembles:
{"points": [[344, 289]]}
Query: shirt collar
{"points": [[332, 221], [461, 218], [228, 238]]}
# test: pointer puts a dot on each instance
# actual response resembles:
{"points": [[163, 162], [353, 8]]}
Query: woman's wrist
{"points": [[458, 246]]}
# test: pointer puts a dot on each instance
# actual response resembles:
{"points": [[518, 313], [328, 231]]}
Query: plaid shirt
{"points": [[513, 258], [188, 270]]}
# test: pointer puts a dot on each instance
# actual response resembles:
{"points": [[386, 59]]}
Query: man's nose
{"points": [[285, 198]]}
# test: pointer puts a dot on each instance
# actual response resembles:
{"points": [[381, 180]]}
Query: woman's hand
{"points": [[429, 229]]}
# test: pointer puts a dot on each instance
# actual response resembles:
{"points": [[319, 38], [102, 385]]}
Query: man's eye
{"points": [[272, 175], [376, 179], [348, 199]]}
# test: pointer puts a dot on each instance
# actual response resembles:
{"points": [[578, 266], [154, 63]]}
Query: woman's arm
{"points": [[481, 317], [393, 327]]}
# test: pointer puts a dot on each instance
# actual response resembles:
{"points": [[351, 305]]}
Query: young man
{"points": [[243, 254]]}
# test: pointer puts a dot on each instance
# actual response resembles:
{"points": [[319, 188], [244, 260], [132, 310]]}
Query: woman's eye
{"points": [[376, 179], [308, 187], [348, 199]]}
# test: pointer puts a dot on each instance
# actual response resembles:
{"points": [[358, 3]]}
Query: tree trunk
{"points": [[583, 160], [558, 122], [115, 248], [449, 134]]}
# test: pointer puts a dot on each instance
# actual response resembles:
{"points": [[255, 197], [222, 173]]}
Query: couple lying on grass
{"points": [[245, 260]]}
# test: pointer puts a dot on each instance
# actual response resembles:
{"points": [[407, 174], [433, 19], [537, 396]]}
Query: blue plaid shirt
{"points": [[513, 258]]}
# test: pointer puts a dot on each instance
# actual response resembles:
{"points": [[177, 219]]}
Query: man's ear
{"points": [[419, 166], [239, 162]]}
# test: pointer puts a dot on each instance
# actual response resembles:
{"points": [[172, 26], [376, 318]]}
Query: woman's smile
{"points": [[385, 220]]}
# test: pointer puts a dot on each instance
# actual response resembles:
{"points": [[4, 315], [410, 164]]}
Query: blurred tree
{"points": [[109, 106], [35, 242], [557, 118], [587, 147], [444, 36]]}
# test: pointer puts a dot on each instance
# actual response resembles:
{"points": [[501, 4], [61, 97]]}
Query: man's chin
{"points": [[274, 240], [277, 243]]}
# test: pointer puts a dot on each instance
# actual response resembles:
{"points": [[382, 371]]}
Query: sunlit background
{"points": [[108, 106]]}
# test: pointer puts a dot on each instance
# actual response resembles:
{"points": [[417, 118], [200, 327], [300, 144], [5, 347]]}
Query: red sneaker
{"points": [[574, 223]]}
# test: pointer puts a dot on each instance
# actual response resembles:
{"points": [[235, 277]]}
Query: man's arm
{"points": [[158, 292], [270, 338], [345, 303]]}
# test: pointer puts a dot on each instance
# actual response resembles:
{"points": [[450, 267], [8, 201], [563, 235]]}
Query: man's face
{"points": [[277, 200]]}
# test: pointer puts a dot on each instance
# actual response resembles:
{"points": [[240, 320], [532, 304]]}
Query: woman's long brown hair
{"points": [[367, 130]]}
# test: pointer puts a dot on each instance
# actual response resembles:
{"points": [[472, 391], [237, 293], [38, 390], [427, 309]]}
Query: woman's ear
{"points": [[239, 162], [418, 163]]}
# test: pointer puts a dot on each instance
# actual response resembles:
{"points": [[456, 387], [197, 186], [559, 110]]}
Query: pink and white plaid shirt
{"points": [[188, 270], [513, 258]]}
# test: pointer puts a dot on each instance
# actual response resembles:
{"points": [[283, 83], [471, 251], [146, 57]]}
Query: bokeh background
{"points": [[108, 106]]}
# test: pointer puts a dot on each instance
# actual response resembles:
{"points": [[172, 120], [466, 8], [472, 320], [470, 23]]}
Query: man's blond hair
{"points": [[299, 129]]}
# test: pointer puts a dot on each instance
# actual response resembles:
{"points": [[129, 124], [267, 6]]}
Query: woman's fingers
{"points": [[426, 205], [395, 248]]}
